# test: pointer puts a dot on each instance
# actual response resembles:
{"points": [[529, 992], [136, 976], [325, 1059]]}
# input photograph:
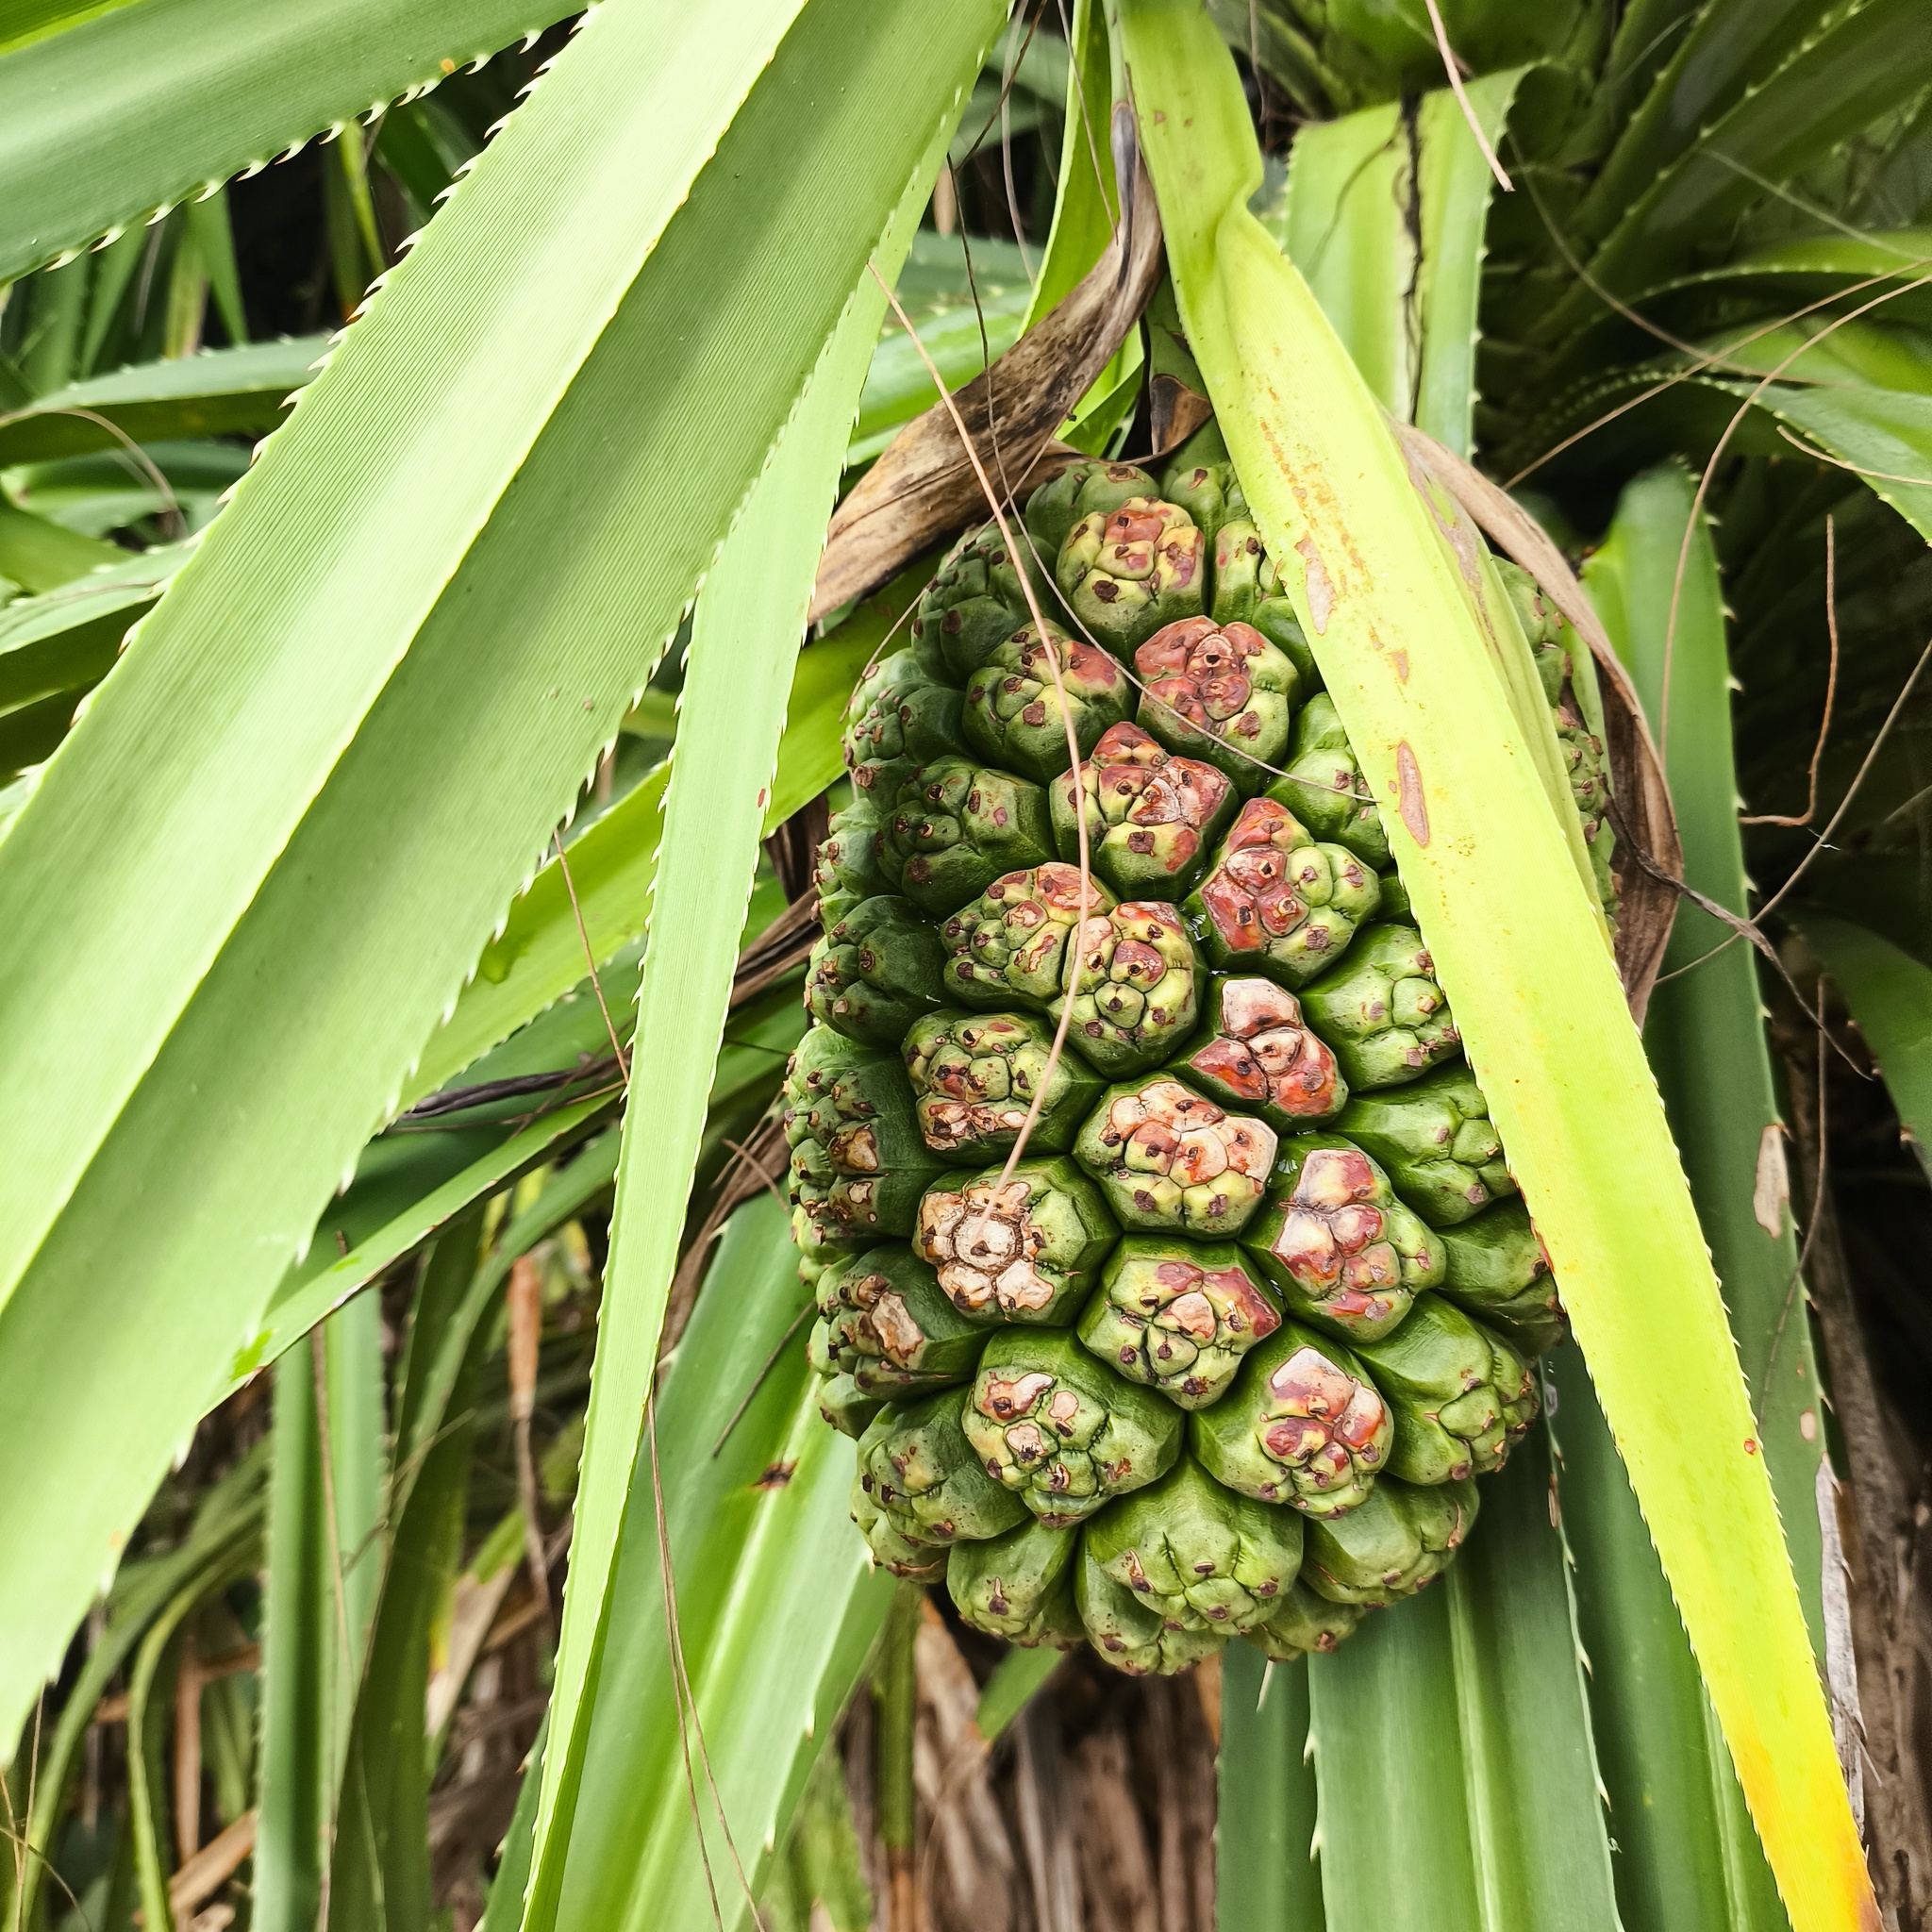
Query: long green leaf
{"points": [[538, 955], [38, 555], [1454, 187], [55, 648], [1705, 1030], [1726, 49], [1885, 435], [1867, 61], [1014, 1680], [1519, 945], [1881, 435], [1890, 994], [428, 606], [304, 1300], [1686, 1854], [223, 392], [1086, 200], [1265, 1876], [777, 1603], [1391, 1683], [147, 1804], [1529, 1753], [1787, 275], [379, 1871], [1384, 216], [504, 1910], [151, 102], [1351, 186], [1403, 192], [293, 1798], [731, 718], [354, 1444], [1498, 1826]]}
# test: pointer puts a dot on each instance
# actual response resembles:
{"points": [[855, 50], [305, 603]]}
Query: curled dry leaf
{"points": [[924, 487], [1642, 800]]}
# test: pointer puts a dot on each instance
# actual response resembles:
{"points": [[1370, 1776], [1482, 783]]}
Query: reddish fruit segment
{"points": [[1152, 818], [1222, 693], [1014, 715], [1327, 1415], [1048, 1419], [1332, 1238], [986, 1248], [1173, 1160], [1134, 986], [976, 1077], [1343, 1252], [1260, 1054], [1277, 900]]}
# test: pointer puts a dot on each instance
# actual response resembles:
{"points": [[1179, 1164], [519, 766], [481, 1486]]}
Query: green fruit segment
{"points": [[846, 1407], [1325, 788], [1302, 1623], [1200, 1556], [1461, 1395], [1399, 1539], [1225, 695], [1303, 1425], [848, 870], [1496, 1269], [1209, 491], [976, 600], [1382, 1011], [1022, 1248], [1134, 986], [885, 1322], [1172, 1161], [1129, 1634], [920, 1562], [1079, 491], [1010, 944], [1254, 1052], [974, 1075], [955, 826], [858, 1161], [1435, 1139], [1152, 818], [1248, 590], [1015, 716], [1278, 901], [1177, 1315], [1061, 1431], [1126, 572], [900, 713], [875, 972], [1340, 1250], [1019, 1586], [917, 1466]]}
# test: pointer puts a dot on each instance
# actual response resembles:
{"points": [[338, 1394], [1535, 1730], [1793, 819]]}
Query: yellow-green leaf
{"points": [[1519, 945]]}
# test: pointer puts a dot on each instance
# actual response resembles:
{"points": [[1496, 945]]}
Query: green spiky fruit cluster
{"points": [[1206, 1324]]}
